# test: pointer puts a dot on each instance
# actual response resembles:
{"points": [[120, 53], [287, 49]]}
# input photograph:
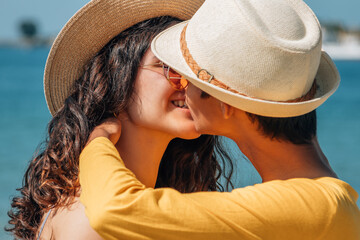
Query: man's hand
{"points": [[110, 128]]}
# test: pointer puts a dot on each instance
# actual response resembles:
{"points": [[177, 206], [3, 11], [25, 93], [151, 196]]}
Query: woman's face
{"points": [[157, 106]]}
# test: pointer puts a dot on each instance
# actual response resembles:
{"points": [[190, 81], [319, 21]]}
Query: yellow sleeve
{"points": [[120, 207]]}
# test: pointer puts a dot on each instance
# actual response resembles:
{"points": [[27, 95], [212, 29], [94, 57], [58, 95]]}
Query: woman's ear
{"points": [[227, 110]]}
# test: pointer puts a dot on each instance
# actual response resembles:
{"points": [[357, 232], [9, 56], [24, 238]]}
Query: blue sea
{"points": [[24, 117]]}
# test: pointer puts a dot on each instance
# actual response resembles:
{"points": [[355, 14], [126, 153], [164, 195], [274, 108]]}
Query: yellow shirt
{"points": [[120, 207]]}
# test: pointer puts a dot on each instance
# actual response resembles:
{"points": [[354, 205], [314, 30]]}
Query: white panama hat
{"points": [[267, 52]]}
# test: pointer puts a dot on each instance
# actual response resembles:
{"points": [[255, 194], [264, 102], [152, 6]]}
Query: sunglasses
{"points": [[176, 81]]}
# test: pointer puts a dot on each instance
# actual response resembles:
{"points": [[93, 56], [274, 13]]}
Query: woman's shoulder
{"points": [[69, 223]]}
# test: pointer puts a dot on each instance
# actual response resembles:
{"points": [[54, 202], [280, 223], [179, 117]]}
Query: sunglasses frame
{"points": [[166, 73]]}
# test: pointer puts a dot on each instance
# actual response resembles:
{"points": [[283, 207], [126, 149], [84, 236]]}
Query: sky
{"points": [[51, 15]]}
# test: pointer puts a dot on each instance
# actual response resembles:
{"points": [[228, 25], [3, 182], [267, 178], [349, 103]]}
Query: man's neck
{"points": [[141, 150], [280, 160]]}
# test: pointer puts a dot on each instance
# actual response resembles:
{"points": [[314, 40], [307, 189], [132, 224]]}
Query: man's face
{"points": [[205, 110]]}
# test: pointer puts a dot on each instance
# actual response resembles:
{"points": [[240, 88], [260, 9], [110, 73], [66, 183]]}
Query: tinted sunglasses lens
{"points": [[176, 80], [183, 82], [178, 83]]}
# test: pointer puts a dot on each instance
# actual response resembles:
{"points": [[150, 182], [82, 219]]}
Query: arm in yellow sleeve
{"points": [[120, 207]]}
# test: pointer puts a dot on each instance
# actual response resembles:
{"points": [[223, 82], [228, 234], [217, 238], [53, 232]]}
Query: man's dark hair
{"points": [[297, 130]]}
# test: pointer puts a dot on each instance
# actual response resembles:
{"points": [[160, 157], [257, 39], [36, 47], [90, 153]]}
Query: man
{"points": [[252, 66]]}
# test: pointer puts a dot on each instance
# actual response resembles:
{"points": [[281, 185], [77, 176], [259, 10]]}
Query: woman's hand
{"points": [[110, 128]]}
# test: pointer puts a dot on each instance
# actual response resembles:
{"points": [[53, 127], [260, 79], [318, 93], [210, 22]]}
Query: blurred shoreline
{"points": [[340, 42], [27, 42]]}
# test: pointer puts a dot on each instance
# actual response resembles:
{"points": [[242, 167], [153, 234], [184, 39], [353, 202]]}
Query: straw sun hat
{"points": [[90, 29], [260, 56]]}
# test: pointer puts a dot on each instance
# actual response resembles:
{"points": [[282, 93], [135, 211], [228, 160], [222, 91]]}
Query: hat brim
{"points": [[166, 47], [90, 29]]}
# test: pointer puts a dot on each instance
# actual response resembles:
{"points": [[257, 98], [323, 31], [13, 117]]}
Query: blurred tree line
{"points": [[28, 29], [337, 32]]}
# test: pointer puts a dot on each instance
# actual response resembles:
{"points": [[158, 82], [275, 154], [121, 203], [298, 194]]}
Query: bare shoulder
{"points": [[47, 233], [69, 223]]}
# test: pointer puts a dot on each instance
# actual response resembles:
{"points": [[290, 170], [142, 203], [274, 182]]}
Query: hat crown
{"points": [[266, 49]]}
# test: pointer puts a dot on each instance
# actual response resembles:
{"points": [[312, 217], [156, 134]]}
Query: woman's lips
{"points": [[179, 104]]}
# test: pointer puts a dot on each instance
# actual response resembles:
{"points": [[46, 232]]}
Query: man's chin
{"points": [[199, 126], [201, 129]]}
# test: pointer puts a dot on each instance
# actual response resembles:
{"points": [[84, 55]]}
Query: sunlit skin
{"points": [[273, 159], [136, 129], [151, 122]]}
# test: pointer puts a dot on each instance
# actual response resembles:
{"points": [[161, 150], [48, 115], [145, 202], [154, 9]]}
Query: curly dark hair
{"points": [[106, 87]]}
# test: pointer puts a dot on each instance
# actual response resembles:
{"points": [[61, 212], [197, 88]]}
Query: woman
{"points": [[126, 80]]}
